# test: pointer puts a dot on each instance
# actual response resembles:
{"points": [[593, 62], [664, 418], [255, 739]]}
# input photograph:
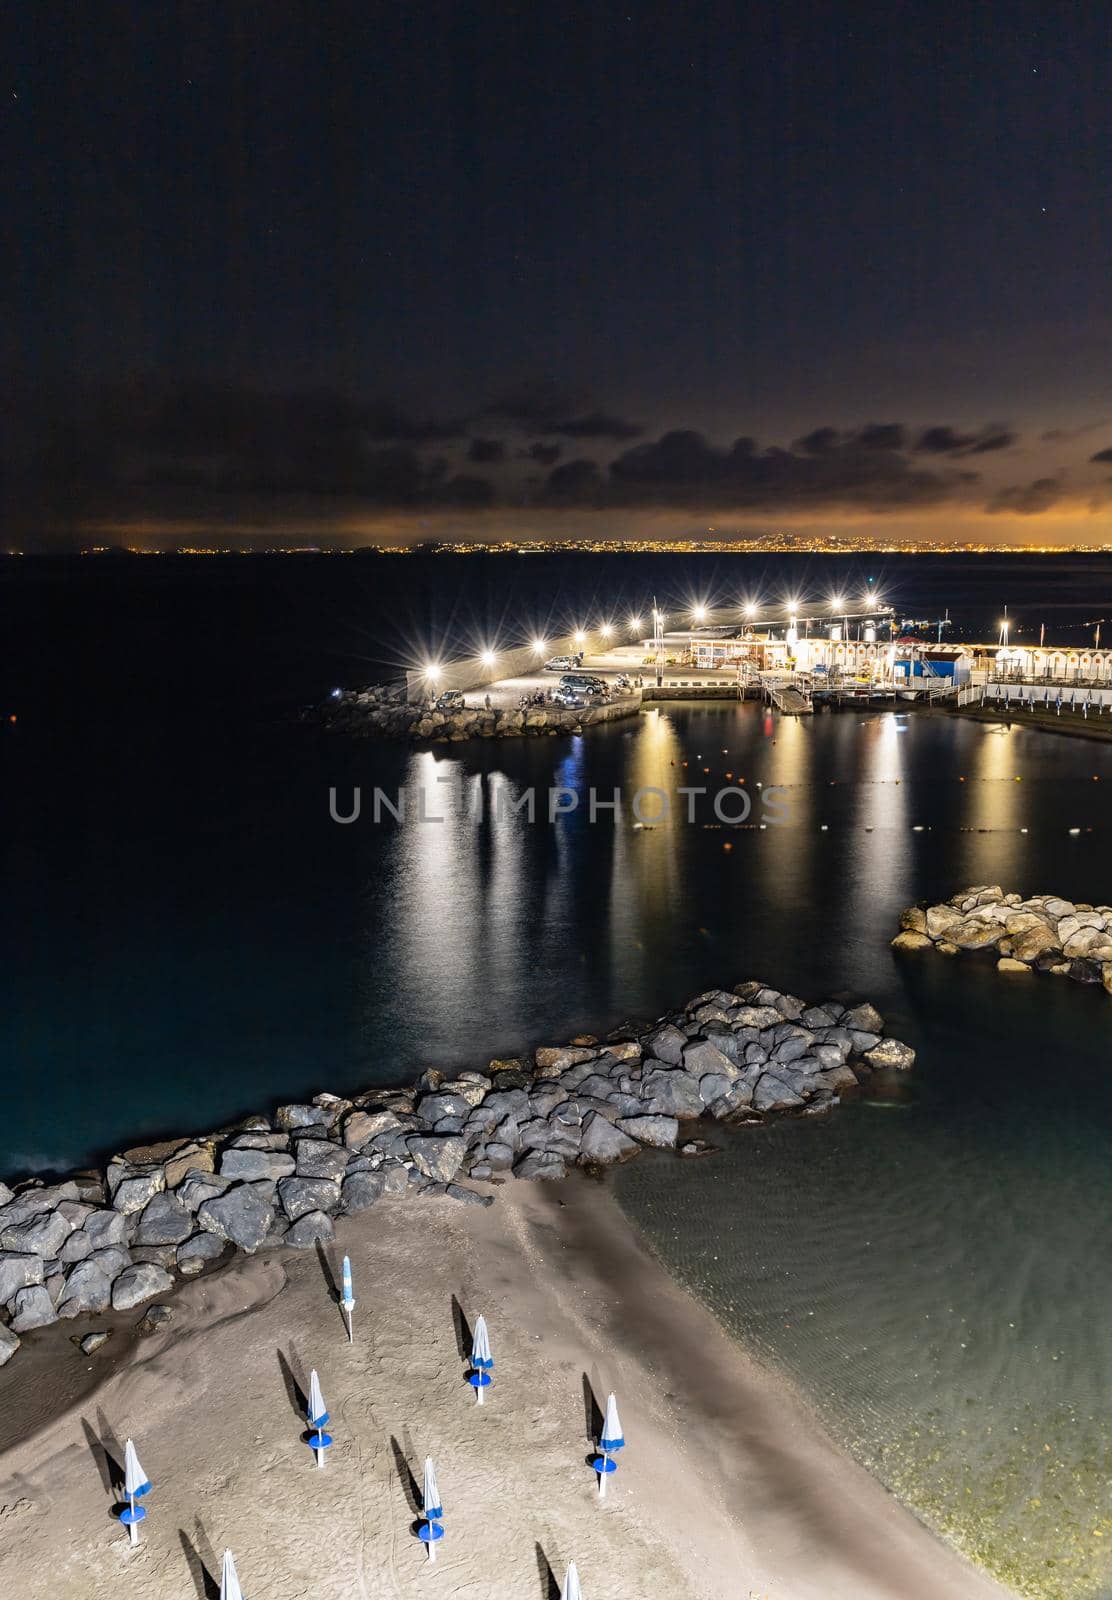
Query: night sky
{"points": [[380, 273]]}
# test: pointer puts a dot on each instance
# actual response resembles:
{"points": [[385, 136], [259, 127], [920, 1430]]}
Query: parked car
{"points": [[451, 700], [583, 683], [560, 663], [568, 697]]}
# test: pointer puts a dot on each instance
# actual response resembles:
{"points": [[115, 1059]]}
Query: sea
{"points": [[189, 935]]}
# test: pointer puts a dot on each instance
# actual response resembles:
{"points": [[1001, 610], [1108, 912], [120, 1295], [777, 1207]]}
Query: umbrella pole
{"points": [[132, 1530], [432, 1546], [319, 1453], [602, 1478], [351, 1336]]}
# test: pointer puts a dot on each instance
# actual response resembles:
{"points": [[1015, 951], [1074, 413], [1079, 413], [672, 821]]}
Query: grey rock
{"points": [[735, 1102], [540, 1164], [240, 1216], [468, 1197], [299, 1116], [672, 1094], [775, 1093], [201, 1248], [9, 1344], [438, 1158], [299, 1196], [259, 1141], [658, 1131], [78, 1246], [32, 1308], [397, 1177], [155, 1318], [88, 1288], [319, 1158], [312, 1228], [361, 1190], [18, 1270], [162, 1255], [104, 1228], [6, 1194], [132, 1186], [249, 1166], [138, 1283], [602, 1143], [860, 1041], [360, 1127], [757, 1017], [666, 1044], [816, 1017], [111, 1260], [864, 1018], [703, 1057], [197, 1187], [432, 1107], [43, 1235], [93, 1341], [164, 1221]]}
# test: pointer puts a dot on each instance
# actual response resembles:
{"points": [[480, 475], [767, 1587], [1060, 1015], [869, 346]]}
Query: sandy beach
{"points": [[728, 1487]]}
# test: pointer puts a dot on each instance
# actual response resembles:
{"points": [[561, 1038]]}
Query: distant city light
{"points": [[336, 693]]}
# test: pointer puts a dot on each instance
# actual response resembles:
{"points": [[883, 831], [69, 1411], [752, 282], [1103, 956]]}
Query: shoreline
{"points": [[574, 1296]]}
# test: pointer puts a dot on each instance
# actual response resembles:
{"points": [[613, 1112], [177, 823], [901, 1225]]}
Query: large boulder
{"points": [[911, 941], [891, 1053], [43, 1235], [671, 1093], [138, 1283], [32, 1308], [362, 1189], [88, 1288], [666, 1044], [164, 1220], [248, 1166], [104, 1228], [200, 1248], [320, 1158], [602, 1143], [241, 1216], [1030, 943], [197, 1187], [774, 1093], [360, 1127], [659, 1131], [437, 1156], [299, 1196], [132, 1186], [975, 933], [540, 1164], [703, 1056], [299, 1116], [314, 1227], [9, 1344], [18, 1270]]}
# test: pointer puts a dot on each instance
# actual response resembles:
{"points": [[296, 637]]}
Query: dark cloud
{"points": [[1102, 455], [487, 450], [1063, 435], [945, 440], [596, 425], [576, 482], [826, 467], [1027, 499], [874, 436], [544, 407], [546, 455]]}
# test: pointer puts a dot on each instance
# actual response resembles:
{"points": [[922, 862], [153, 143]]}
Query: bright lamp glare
{"points": [[580, 636], [837, 603], [700, 613], [432, 671], [539, 647], [635, 624], [750, 608], [606, 630], [488, 658]]}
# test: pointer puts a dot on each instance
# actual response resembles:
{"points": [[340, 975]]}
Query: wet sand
{"points": [[728, 1487]]}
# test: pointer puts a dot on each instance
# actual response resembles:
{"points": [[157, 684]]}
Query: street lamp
{"points": [[488, 658], [540, 647], [635, 624], [700, 613]]}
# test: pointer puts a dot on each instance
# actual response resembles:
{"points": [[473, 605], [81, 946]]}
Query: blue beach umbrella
{"points": [[482, 1362], [431, 1511], [229, 1582], [136, 1485], [611, 1440], [571, 1589], [348, 1299], [318, 1416]]}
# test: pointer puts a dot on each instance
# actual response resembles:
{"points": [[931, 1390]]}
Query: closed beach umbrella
{"points": [[482, 1362], [571, 1589], [611, 1440], [136, 1485], [229, 1582], [318, 1416], [348, 1299], [431, 1511]]}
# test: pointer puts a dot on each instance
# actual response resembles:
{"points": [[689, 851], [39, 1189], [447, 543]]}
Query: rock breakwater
{"points": [[385, 713], [110, 1240], [1036, 933]]}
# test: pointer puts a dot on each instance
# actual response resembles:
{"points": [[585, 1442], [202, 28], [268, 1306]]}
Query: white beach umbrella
{"points": [[229, 1582], [431, 1510], [348, 1299], [318, 1416], [482, 1362], [136, 1485], [611, 1440], [571, 1589]]}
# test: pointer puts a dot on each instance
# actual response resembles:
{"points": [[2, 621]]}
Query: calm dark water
{"points": [[188, 936]]}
